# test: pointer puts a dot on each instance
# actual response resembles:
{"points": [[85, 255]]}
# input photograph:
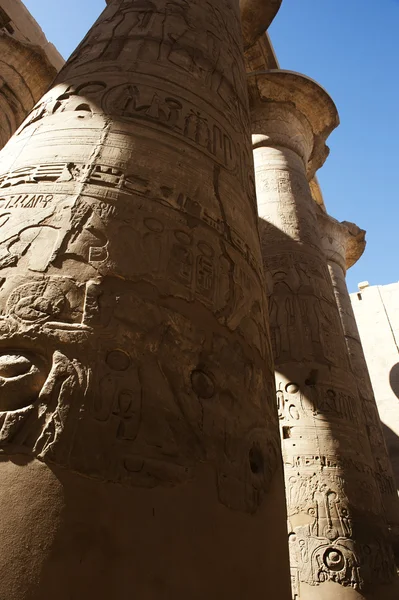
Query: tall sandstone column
{"points": [[256, 16], [140, 453], [28, 65], [338, 535], [343, 244]]}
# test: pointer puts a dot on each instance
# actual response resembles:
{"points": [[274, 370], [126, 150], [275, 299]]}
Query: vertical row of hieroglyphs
{"points": [[135, 356], [338, 535], [343, 244]]}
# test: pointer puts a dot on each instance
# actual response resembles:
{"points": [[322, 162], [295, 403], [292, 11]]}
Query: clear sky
{"points": [[351, 47]]}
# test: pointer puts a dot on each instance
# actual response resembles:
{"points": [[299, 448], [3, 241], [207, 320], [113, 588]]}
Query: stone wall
{"points": [[377, 314], [28, 65]]}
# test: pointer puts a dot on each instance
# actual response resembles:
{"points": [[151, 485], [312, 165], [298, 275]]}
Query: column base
{"points": [[334, 591], [66, 536]]}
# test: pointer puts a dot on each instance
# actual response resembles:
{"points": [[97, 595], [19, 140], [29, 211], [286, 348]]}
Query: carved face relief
{"points": [[139, 286]]}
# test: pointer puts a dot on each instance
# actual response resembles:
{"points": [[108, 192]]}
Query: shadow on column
{"points": [[328, 460], [392, 441], [394, 379]]}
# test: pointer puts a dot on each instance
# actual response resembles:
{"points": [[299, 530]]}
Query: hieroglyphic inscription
{"points": [[168, 35], [113, 179], [142, 103], [337, 528], [152, 105], [134, 348], [128, 442], [324, 550], [131, 261], [298, 291], [25, 201], [319, 402]]}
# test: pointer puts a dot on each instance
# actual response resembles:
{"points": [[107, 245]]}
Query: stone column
{"points": [[138, 428], [344, 244], [256, 16], [337, 532], [28, 65]]}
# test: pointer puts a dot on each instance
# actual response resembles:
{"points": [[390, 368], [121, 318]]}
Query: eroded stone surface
{"points": [[28, 65], [256, 16], [131, 280], [338, 538], [343, 244]]}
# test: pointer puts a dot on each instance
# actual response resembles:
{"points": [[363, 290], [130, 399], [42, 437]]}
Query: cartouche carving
{"points": [[131, 275], [338, 533], [343, 244]]}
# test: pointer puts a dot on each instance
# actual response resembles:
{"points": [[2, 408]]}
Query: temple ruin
{"points": [[28, 65], [181, 375]]}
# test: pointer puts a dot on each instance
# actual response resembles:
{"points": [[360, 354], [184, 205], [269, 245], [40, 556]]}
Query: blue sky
{"points": [[351, 48]]}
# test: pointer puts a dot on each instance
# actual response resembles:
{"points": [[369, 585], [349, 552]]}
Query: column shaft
{"points": [[383, 468], [337, 534], [138, 428]]}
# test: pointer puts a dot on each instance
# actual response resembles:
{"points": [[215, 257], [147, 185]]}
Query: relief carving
{"points": [[136, 292], [337, 527], [298, 292], [324, 550], [166, 34]]}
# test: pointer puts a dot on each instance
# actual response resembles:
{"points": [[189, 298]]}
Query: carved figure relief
{"points": [[324, 549], [333, 497], [135, 292], [296, 294]]}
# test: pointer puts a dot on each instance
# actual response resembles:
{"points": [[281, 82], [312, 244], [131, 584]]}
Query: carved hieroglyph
{"points": [[134, 340], [343, 244], [338, 535]]}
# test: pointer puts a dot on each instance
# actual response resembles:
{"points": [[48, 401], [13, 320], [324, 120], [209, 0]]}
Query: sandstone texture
{"points": [[28, 65], [339, 537], [166, 371], [343, 244], [138, 427]]}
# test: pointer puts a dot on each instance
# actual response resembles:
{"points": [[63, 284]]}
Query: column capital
{"points": [[317, 194], [256, 16], [293, 111], [343, 243], [26, 73]]}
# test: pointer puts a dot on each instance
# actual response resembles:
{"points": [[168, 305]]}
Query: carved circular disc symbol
{"points": [[292, 388], [294, 413], [118, 360], [202, 385], [183, 237], [256, 461], [154, 225], [334, 560], [205, 249]]}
